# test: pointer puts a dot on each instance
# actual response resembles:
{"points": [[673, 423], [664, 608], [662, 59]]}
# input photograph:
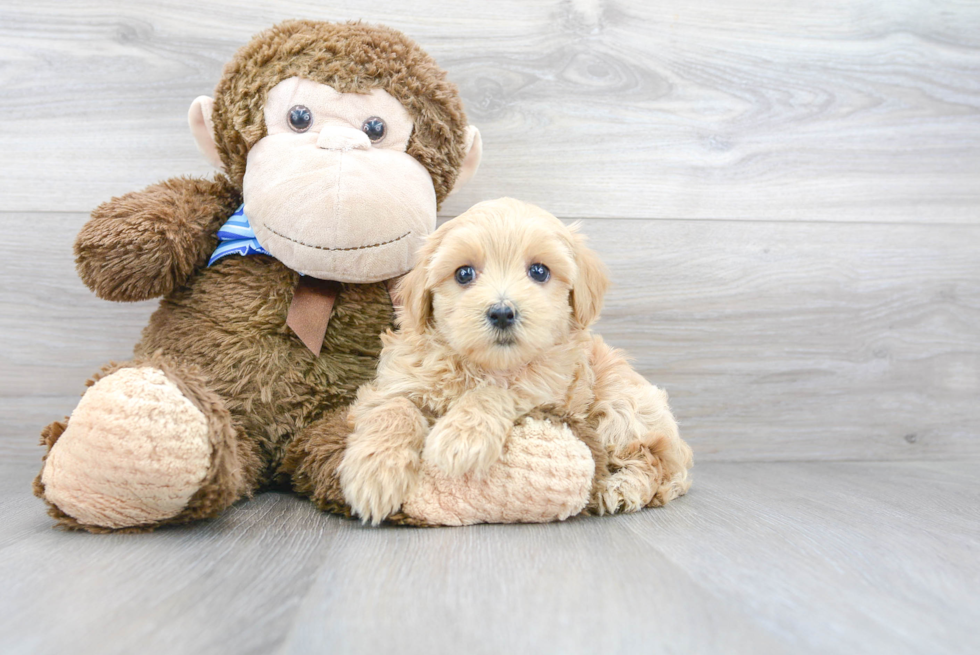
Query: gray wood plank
{"points": [[780, 342], [56, 333], [228, 586], [763, 558], [21, 421], [821, 555], [838, 111], [841, 557], [580, 587], [776, 341]]}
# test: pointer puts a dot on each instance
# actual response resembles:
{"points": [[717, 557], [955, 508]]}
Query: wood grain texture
{"points": [[829, 310], [838, 111], [785, 341], [758, 558], [229, 587], [776, 341]]}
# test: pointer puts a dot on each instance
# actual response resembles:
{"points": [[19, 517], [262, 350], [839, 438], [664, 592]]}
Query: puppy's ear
{"points": [[415, 298], [413, 292], [590, 284]]}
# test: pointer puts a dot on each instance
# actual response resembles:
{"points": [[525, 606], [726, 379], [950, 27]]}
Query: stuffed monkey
{"points": [[337, 143]]}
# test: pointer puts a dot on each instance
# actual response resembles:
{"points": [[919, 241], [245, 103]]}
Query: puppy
{"points": [[495, 322]]}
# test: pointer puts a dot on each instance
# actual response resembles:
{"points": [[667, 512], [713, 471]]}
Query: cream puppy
{"points": [[494, 323]]}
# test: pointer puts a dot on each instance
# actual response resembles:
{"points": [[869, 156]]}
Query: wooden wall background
{"points": [[787, 192]]}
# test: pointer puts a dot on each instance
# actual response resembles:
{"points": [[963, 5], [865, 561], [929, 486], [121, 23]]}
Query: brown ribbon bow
{"points": [[309, 312]]}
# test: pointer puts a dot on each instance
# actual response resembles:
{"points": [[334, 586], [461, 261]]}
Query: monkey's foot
{"points": [[135, 452], [545, 474]]}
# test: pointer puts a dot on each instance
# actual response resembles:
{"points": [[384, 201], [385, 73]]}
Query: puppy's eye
{"points": [[538, 272], [300, 118], [375, 128], [465, 275]]}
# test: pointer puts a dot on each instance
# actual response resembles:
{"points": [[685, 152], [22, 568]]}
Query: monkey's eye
{"points": [[300, 118], [538, 272], [465, 275], [375, 128]]}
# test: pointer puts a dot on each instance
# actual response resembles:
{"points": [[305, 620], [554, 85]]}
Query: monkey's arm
{"points": [[144, 244]]}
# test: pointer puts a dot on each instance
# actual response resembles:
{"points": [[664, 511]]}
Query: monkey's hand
{"points": [[382, 460], [144, 244], [471, 435]]}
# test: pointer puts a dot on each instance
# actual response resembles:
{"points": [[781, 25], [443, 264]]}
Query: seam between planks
{"points": [[761, 221]]}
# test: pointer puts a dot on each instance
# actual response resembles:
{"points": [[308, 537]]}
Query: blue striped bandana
{"points": [[236, 237]]}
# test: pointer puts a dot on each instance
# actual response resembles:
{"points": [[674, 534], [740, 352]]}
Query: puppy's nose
{"points": [[501, 316]]}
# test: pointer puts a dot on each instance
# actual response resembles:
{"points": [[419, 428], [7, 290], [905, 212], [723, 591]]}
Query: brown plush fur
{"points": [[145, 244], [316, 449], [220, 332], [230, 327], [351, 58]]}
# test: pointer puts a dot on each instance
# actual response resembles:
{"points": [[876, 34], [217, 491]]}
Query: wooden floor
{"points": [[773, 557], [788, 197]]}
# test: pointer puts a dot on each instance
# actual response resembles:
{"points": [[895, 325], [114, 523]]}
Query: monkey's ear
{"points": [[474, 151], [202, 127], [590, 284]]}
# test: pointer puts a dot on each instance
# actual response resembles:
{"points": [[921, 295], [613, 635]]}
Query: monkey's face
{"points": [[330, 191], [344, 138]]}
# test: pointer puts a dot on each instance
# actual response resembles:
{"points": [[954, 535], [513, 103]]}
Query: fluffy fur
{"points": [[351, 58], [219, 334], [450, 385]]}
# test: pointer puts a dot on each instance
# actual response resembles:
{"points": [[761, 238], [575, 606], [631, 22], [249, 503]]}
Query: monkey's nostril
{"points": [[501, 316]]}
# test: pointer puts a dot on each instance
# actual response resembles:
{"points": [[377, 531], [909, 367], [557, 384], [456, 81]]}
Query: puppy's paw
{"points": [[460, 447], [375, 484], [626, 490]]}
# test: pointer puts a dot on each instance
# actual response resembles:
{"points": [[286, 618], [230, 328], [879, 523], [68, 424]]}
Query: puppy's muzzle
{"points": [[501, 316]]}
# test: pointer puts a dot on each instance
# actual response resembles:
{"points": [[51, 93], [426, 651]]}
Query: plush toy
{"points": [[336, 142]]}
